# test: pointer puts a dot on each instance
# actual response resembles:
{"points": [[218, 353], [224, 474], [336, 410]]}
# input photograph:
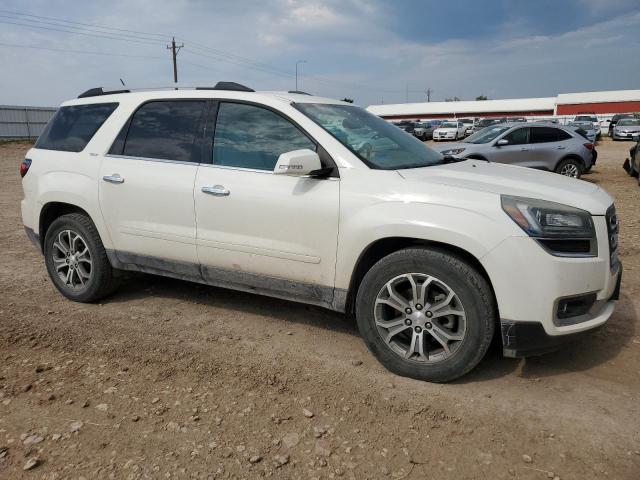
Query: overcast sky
{"points": [[370, 50]]}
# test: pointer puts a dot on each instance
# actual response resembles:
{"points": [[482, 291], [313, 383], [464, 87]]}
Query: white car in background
{"points": [[450, 130]]}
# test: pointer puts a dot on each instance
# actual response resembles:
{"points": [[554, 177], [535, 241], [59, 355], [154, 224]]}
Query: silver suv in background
{"points": [[626, 129], [563, 150]]}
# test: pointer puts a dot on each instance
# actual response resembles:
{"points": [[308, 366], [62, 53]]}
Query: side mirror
{"points": [[502, 142], [297, 163]]}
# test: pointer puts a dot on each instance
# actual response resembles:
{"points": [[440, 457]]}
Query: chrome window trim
{"points": [[152, 159]]}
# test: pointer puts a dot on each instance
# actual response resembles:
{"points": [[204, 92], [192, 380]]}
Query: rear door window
{"points": [[72, 127], [562, 135], [165, 130], [544, 135]]}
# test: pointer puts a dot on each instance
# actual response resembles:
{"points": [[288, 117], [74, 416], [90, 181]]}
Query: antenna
{"points": [[122, 82]]}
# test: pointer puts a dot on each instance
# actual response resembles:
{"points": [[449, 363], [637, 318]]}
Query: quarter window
{"points": [[247, 136], [165, 130], [519, 136], [72, 127]]}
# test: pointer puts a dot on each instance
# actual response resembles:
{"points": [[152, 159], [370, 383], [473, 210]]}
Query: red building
{"points": [[566, 104]]}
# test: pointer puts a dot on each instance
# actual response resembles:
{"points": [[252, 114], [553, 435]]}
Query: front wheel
{"points": [[570, 167], [426, 314], [76, 260]]}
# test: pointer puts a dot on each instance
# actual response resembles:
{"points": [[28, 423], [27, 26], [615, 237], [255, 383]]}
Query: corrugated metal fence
{"points": [[23, 122]]}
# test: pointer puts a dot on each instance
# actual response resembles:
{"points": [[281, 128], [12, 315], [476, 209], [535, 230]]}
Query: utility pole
{"points": [[299, 61], [174, 53], [428, 92]]}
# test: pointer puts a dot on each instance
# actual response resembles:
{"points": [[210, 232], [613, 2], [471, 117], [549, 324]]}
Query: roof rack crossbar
{"points": [[95, 92], [233, 86]]}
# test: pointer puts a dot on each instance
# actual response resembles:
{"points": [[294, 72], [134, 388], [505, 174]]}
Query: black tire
{"points": [[567, 163], [470, 287], [102, 281]]}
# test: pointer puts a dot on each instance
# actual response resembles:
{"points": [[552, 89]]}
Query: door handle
{"points": [[560, 147], [114, 178], [217, 190], [524, 149]]}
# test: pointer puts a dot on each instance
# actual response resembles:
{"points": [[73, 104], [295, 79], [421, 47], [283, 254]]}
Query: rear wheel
{"points": [[426, 314], [76, 259], [570, 167]]}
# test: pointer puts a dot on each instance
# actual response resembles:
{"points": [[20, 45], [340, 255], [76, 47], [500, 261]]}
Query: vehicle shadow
{"points": [[595, 349], [137, 286]]}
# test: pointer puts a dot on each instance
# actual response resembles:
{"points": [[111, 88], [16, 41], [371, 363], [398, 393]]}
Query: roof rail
{"points": [[233, 86], [95, 92], [299, 92]]}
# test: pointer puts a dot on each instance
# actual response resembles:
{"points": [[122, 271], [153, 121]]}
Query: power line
{"points": [[16, 13], [66, 50], [195, 48]]}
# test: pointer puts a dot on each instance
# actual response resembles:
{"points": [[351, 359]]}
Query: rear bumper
{"points": [[528, 339]]}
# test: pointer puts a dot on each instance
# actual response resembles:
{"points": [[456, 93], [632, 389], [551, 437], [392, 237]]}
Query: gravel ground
{"points": [[168, 379]]}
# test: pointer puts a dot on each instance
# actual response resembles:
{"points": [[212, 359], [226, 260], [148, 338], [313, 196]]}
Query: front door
{"points": [[256, 230], [517, 152], [146, 187]]}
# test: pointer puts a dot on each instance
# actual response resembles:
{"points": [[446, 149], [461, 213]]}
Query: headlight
{"points": [[560, 229], [453, 151]]}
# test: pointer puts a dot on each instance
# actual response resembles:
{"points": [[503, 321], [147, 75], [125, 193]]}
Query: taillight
{"points": [[589, 146], [24, 166]]}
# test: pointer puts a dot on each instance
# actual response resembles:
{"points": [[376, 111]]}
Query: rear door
{"points": [[146, 186], [548, 145], [257, 230]]}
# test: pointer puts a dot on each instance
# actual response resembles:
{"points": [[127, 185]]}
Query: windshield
{"points": [[583, 125], [627, 122], [486, 135], [486, 122], [449, 125], [375, 141]]}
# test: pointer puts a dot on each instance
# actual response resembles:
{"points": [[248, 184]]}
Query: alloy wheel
{"points": [[420, 318], [570, 170], [72, 259]]}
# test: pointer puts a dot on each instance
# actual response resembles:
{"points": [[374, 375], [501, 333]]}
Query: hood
{"points": [[511, 180]]}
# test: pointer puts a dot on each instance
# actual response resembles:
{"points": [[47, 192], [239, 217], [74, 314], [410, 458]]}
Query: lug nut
{"points": [[428, 326], [407, 311], [407, 322], [418, 329], [418, 306], [429, 314]]}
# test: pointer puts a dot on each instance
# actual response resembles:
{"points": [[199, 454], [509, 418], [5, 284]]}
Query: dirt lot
{"points": [[168, 379]]}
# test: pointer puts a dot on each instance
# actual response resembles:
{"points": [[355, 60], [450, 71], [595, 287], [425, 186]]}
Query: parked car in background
{"points": [[450, 130], [486, 122], [468, 123], [424, 130], [615, 119], [586, 128], [632, 164], [626, 128], [517, 120], [406, 125], [589, 117], [554, 148], [321, 202]]}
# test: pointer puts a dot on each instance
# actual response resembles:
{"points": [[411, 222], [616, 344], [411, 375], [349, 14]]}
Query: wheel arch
{"points": [[50, 211], [570, 156], [382, 247]]}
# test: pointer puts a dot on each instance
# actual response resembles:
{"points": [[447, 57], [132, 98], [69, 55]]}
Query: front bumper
{"points": [[529, 339], [529, 282], [624, 136]]}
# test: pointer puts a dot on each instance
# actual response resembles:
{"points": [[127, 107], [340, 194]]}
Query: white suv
{"points": [[319, 201]]}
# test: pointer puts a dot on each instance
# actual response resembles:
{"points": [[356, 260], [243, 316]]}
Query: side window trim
{"points": [[210, 130], [117, 149]]}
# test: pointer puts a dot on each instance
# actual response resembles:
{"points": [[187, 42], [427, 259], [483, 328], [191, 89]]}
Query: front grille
{"points": [[613, 229]]}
